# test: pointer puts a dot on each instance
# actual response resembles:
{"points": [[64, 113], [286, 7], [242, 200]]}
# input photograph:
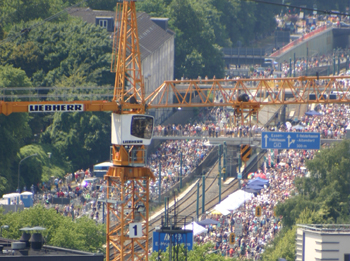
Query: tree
{"points": [[283, 246], [321, 198], [154, 8], [14, 129], [194, 39], [41, 167], [80, 138], [293, 207], [325, 191], [26, 10], [13, 77], [83, 234], [57, 50], [102, 4], [199, 253], [60, 231]]}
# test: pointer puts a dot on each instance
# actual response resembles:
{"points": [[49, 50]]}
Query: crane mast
{"points": [[128, 179]]}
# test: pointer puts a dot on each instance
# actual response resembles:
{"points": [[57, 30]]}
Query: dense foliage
{"points": [[40, 49], [71, 52], [323, 5], [203, 27], [322, 198], [61, 231], [199, 253]]}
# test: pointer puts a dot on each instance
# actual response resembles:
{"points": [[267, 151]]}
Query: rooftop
{"points": [[327, 228], [45, 253], [151, 36]]}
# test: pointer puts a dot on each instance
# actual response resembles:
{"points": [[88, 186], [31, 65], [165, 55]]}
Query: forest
{"points": [[322, 197], [62, 51]]}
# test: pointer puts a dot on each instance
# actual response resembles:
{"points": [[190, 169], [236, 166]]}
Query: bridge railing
{"points": [[56, 93], [244, 51], [226, 133], [298, 41]]}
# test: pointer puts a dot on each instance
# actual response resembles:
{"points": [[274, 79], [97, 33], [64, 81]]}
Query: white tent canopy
{"points": [[197, 229], [233, 201], [27, 193], [104, 164], [11, 195]]}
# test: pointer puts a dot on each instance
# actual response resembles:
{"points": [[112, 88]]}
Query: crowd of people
{"points": [[286, 166], [314, 61], [258, 232], [331, 123]]}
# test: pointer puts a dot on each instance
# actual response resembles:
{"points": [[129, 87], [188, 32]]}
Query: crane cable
{"points": [[299, 7]]}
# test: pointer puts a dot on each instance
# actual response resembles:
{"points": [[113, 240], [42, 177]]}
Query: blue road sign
{"points": [[291, 140], [161, 240]]}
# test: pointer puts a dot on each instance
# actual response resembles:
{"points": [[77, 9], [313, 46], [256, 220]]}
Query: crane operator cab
{"points": [[131, 132]]}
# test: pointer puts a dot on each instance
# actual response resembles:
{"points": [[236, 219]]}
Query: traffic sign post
{"points": [[246, 151], [162, 240], [291, 140], [232, 238], [238, 222], [135, 230], [238, 227], [258, 211], [238, 231]]}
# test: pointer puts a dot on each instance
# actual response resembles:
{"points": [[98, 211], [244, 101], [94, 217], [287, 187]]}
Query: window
{"points": [[142, 126], [103, 23]]}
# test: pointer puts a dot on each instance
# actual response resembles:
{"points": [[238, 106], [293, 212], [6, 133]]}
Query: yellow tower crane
{"points": [[128, 180]]}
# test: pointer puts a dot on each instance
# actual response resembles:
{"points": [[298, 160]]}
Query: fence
{"points": [[244, 51], [298, 41], [12, 208]]}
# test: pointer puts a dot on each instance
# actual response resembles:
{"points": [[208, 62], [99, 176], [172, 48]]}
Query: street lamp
{"points": [[49, 155], [3, 227], [19, 166]]}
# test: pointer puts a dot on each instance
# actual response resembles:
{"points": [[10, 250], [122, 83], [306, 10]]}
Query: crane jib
{"points": [[55, 108]]}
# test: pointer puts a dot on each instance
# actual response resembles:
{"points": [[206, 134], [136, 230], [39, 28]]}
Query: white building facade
{"points": [[323, 242]]}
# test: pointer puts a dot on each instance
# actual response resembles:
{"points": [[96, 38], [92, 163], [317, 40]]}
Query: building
{"points": [[15, 250], [323, 242], [157, 46]]}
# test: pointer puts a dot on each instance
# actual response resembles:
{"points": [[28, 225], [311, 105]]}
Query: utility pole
{"points": [[294, 66], [307, 59], [159, 181], [181, 170], [290, 67], [19, 168], [225, 162], [219, 178], [197, 212], [203, 194]]}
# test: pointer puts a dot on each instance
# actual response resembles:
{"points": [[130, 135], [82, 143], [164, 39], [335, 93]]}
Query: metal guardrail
{"points": [[345, 228], [298, 41], [56, 93], [244, 51]]}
